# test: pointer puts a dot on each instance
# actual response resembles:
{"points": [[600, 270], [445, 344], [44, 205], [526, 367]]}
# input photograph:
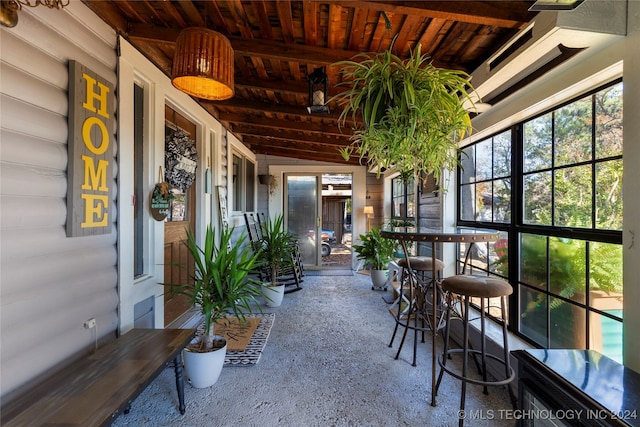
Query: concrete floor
{"points": [[326, 363]]}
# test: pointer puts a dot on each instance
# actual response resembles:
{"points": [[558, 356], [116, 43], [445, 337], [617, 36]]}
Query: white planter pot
{"points": [[379, 278], [273, 295], [203, 369]]}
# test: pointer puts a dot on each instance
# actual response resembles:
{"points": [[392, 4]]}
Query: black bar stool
{"points": [[466, 287], [413, 298]]}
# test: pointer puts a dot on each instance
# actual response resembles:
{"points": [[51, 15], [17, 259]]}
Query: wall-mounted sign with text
{"points": [[160, 202], [91, 152]]}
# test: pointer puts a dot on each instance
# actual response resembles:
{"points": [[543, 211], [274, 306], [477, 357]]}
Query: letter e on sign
{"points": [[91, 152]]}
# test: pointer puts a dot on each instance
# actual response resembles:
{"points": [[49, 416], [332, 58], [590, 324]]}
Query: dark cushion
{"points": [[421, 263], [477, 286]]}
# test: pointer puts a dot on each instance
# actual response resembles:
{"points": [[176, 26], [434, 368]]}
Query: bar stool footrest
{"points": [[472, 380]]}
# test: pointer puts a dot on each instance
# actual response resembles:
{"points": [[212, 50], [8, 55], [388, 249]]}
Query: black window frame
{"points": [[407, 197], [517, 226]]}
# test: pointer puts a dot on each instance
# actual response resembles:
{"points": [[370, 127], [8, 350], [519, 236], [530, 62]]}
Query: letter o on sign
{"points": [[86, 135]]}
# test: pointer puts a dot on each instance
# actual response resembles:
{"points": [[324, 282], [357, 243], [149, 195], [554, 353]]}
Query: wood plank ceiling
{"points": [[278, 43]]}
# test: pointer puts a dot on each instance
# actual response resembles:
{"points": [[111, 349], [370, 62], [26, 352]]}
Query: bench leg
{"points": [[177, 364]]}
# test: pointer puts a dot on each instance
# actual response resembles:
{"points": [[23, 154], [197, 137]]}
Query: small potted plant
{"points": [[377, 252], [223, 286], [275, 247]]}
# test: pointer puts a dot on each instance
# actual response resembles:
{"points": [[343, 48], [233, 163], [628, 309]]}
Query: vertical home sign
{"points": [[91, 152]]}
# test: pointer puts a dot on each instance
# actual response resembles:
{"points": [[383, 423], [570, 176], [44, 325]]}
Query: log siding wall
{"points": [[49, 284]]}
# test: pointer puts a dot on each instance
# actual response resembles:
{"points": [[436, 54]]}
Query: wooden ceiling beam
{"points": [[318, 138], [292, 144], [496, 13], [262, 107], [251, 47], [291, 87], [303, 126], [296, 150]]}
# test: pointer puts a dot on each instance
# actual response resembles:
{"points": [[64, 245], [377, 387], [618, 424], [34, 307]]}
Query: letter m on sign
{"points": [[91, 152]]}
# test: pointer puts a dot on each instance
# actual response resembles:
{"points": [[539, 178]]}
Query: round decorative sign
{"points": [[180, 160], [160, 201]]}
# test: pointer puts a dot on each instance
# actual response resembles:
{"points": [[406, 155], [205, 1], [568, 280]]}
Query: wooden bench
{"points": [[97, 388]]}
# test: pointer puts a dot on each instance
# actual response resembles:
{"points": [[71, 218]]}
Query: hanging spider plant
{"points": [[413, 114]]}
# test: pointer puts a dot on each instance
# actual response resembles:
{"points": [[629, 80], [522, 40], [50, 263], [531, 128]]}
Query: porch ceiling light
{"points": [[9, 9], [203, 64], [318, 81]]}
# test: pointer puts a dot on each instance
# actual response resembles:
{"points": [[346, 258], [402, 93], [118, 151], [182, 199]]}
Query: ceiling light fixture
{"points": [[9, 9], [203, 64], [318, 81]]}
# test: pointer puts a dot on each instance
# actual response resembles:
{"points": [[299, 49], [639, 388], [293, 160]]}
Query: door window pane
{"points": [[302, 211]]}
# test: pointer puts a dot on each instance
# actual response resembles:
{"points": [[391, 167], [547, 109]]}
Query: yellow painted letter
{"points": [[86, 135], [95, 179], [93, 96], [95, 212]]}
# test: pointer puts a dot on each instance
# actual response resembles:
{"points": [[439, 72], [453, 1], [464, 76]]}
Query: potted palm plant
{"points": [[376, 252], [412, 114], [223, 286], [275, 247]]}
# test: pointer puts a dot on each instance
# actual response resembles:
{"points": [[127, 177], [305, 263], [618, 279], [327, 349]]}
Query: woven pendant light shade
{"points": [[203, 64]]}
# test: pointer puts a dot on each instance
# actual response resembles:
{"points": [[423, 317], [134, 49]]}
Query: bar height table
{"points": [[435, 236]]}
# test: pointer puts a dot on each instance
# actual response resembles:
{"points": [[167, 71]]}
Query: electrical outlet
{"points": [[90, 323]]}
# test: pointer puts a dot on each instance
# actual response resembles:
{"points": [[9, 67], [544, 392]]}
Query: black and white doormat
{"points": [[251, 355]]}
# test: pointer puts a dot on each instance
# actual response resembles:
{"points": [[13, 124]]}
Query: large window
{"points": [[553, 186]]}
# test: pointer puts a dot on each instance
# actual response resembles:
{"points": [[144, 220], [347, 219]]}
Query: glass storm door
{"points": [[302, 215]]}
